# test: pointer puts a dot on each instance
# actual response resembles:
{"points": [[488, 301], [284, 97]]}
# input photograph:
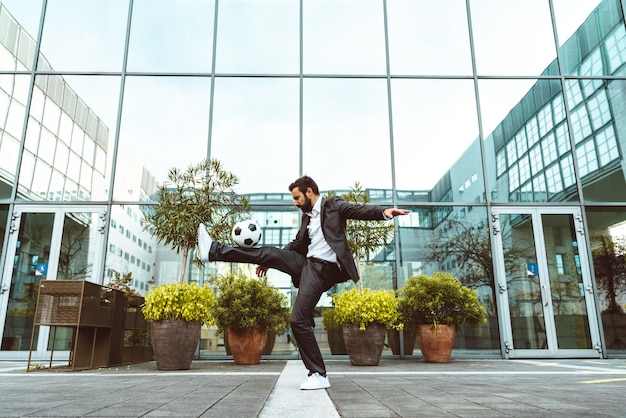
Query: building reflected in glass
{"points": [[505, 142]]}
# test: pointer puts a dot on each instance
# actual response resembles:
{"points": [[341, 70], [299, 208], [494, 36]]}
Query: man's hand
{"points": [[391, 212], [261, 271]]}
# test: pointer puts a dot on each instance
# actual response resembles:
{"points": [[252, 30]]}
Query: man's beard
{"points": [[308, 206]]}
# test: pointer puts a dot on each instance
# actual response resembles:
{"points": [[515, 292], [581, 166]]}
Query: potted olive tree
{"points": [[204, 193], [247, 310], [435, 305], [177, 312], [365, 316], [364, 237]]}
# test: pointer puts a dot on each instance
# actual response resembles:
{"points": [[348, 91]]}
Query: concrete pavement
{"points": [[394, 388]]}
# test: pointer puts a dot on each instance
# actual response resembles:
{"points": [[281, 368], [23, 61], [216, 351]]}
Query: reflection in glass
{"points": [[32, 257], [523, 283], [157, 42], [255, 132], [19, 23], [427, 37], [13, 99], [258, 37], [455, 240], [607, 235], [566, 282], [159, 112], [79, 246], [597, 126], [504, 42], [529, 156], [436, 140], [346, 133], [596, 46], [67, 140], [83, 35], [132, 249], [569, 19], [343, 37]]}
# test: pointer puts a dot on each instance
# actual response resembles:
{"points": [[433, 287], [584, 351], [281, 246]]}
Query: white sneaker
{"points": [[315, 381], [204, 242]]}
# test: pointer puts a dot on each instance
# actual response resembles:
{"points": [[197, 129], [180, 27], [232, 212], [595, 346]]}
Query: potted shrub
{"points": [[334, 332], [247, 310], [365, 316], [435, 305], [177, 312]]}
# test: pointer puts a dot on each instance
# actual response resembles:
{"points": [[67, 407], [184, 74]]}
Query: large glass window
{"points": [[530, 138], [343, 37], [346, 133], [84, 35], [455, 240], [437, 117], [255, 132], [428, 37], [607, 236], [71, 131], [171, 36], [582, 50], [164, 125], [258, 37], [13, 99], [504, 42]]}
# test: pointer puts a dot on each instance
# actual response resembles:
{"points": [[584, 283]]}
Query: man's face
{"points": [[302, 200]]}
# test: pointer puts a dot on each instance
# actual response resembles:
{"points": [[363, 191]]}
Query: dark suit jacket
{"points": [[334, 213]]}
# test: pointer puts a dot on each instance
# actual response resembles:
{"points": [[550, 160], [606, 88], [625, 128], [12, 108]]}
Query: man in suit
{"points": [[317, 259]]}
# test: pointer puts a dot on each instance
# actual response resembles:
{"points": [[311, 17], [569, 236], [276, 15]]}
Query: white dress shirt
{"points": [[318, 247]]}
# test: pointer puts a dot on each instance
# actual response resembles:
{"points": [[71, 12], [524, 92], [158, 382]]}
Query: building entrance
{"points": [[543, 283], [45, 244]]}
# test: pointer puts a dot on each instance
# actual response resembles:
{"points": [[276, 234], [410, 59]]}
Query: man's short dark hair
{"points": [[304, 183]]}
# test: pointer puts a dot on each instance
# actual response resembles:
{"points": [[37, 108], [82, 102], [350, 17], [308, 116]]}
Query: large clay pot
{"points": [[247, 344], [267, 350], [436, 342], [364, 347], [393, 338], [335, 341], [269, 344], [174, 343]]}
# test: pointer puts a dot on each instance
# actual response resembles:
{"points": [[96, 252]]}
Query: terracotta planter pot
{"points": [[247, 344], [436, 343], [364, 347], [393, 337], [174, 343]]}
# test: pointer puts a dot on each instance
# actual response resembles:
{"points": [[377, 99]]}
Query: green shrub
{"points": [[179, 301], [438, 299], [329, 319], [243, 302], [366, 307]]}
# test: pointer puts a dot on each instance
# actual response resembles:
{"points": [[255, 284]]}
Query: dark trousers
{"points": [[312, 278]]}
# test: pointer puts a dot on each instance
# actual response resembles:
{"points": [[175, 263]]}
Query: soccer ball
{"points": [[246, 233]]}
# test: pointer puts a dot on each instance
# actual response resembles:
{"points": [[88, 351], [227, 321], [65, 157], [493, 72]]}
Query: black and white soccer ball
{"points": [[246, 233]]}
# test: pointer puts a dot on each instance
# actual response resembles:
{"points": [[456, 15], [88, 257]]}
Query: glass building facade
{"points": [[500, 124]]}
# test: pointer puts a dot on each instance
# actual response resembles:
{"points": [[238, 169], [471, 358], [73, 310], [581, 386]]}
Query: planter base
{"points": [[246, 345], [174, 343], [436, 342], [364, 347]]}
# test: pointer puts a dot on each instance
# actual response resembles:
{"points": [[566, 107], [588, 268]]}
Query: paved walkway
{"points": [[394, 388]]}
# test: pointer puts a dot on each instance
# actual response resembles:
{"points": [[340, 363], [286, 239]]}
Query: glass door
{"points": [[544, 283], [45, 244]]}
